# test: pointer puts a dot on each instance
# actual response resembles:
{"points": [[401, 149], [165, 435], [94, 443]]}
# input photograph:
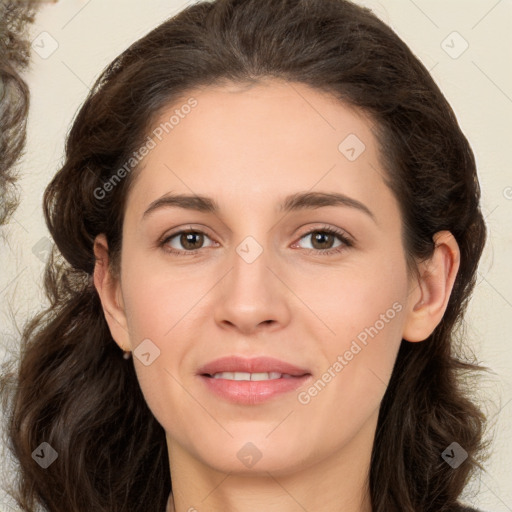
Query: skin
{"points": [[248, 148]]}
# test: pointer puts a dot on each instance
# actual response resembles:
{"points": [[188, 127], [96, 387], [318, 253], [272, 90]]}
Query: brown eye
{"points": [[185, 242], [321, 239]]}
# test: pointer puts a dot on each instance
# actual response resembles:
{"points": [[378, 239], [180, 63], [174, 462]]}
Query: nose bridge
{"points": [[250, 275]]}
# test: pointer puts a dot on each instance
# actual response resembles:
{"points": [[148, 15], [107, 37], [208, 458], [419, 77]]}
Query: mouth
{"points": [[251, 381]]}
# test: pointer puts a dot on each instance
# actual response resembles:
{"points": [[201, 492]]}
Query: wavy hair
{"points": [[14, 95], [73, 388]]}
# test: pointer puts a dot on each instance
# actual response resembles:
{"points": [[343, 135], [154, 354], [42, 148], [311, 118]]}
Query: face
{"points": [[318, 282]]}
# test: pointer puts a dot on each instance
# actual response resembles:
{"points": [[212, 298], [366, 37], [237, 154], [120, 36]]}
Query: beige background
{"points": [[75, 39]]}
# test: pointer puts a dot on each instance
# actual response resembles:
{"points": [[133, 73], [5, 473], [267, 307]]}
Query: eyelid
{"points": [[196, 228], [347, 240], [332, 229]]}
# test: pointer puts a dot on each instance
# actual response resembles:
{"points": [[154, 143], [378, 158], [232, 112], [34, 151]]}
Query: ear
{"points": [[430, 293], [109, 290]]}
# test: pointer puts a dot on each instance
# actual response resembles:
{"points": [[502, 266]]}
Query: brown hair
{"points": [[14, 95], [75, 391]]}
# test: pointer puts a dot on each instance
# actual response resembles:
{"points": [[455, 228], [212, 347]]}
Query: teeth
{"points": [[266, 376], [249, 376]]}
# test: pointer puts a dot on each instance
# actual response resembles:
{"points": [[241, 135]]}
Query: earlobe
{"points": [[109, 290], [431, 292]]}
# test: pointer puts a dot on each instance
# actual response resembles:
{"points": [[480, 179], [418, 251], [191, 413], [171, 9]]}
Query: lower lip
{"points": [[251, 392]]}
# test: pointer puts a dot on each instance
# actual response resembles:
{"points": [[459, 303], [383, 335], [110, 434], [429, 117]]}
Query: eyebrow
{"points": [[295, 202]]}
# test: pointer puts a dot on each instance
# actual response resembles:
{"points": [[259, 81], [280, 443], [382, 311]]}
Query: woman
{"points": [[267, 374]]}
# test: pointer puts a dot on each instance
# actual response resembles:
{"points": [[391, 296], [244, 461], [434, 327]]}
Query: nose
{"points": [[253, 295]]}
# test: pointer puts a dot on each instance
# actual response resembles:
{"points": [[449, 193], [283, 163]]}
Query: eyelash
{"points": [[346, 242]]}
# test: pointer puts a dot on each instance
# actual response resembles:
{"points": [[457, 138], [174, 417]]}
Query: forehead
{"points": [[245, 144]]}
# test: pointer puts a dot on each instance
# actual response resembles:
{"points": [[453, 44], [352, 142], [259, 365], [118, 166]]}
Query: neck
{"points": [[336, 483]]}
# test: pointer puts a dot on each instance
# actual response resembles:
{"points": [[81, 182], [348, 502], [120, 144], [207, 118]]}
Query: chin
{"points": [[257, 458]]}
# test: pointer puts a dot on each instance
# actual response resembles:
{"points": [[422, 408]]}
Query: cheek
{"points": [[158, 307], [158, 299], [354, 298], [364, 308]]}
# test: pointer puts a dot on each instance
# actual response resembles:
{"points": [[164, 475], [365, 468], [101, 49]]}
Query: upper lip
{"points": [[251, 365]]}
